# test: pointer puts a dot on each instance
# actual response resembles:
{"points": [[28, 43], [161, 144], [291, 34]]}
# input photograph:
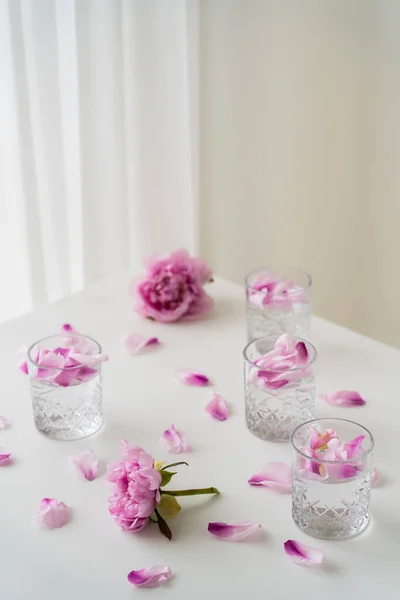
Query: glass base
{"points": [[332, 526], [67, 413]]}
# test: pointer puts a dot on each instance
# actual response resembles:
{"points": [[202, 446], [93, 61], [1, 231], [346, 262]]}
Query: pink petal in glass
{"points": [[4, 423], [151, 576], [217, 407], [275, 476], [52, 514], [192, 377], [88, 464], [343, 398], [234, 532], [174, 442], [353, 447], [302, 353], [89, 360], [136, 342], [303, 554]]}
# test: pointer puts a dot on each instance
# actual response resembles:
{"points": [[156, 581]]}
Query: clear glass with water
{"points": [[66, 411], [278, 300], [330, 498], [273, 412]]}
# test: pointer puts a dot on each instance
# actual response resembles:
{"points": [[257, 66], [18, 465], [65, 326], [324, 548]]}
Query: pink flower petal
{"points": [[234, 532], [375, 476], [192, 377], [150, 577], [4, 423], [353, 447], [174, 442], [5, 458], [303, 554], [88, 464], [21, 360], [302, 353], [217, 407], [135, 342], [276, 476], [89, 360], [67, 328], [52, 514], [343, 398]]}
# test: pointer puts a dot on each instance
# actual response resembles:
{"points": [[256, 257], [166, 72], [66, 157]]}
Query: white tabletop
{"points": [[90, 558]]}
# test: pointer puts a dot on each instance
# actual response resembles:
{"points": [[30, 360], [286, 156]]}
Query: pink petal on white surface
{"points": [[192, 377], [4, 423], [88, 464], [21, 360], [174, 442], [5, 458], [234, 532], [343, 398], [52, 514], [217, 407], [88, 360], [150, 577], [375, 475], [303, 554], [276, 476], [136, 342], [67, 328]]}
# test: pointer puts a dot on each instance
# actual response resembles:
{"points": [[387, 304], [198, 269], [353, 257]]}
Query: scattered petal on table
{"points": [[234, 532], [217, 407], [375, 476], [67, 328], [150, 577], [4, 423], [192, 377], [136, 342], [174, 442], [52, 514], [276, 476], [343, 398], [21, 359], [303, 554], [5, 458], [88, 464]]}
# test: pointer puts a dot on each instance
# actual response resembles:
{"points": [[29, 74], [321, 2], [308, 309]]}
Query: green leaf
{"points": [[168, 506], [176, 464], [166, 477], [163, 526]]}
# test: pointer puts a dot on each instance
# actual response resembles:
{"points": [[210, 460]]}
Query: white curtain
{"points": [[98, 140]]}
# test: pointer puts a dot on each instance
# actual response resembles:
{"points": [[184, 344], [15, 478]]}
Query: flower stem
{"points": [[193, 492]]}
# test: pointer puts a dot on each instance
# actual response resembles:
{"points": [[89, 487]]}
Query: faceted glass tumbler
{"points": [[273, 412], [330, 499], [67, 412], [278, 300]]}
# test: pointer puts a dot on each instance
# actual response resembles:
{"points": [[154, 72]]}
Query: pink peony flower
{"points": [[172, 288], [135, 484]]}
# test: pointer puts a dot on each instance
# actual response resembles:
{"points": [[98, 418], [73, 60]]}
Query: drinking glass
{"points": [[281, 400], [67, 402], [278, 300], [330, 498]]}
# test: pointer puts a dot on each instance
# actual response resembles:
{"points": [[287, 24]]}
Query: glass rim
{"points": [[290, 293], [57, 335], [332, 462], [285, 369]]}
